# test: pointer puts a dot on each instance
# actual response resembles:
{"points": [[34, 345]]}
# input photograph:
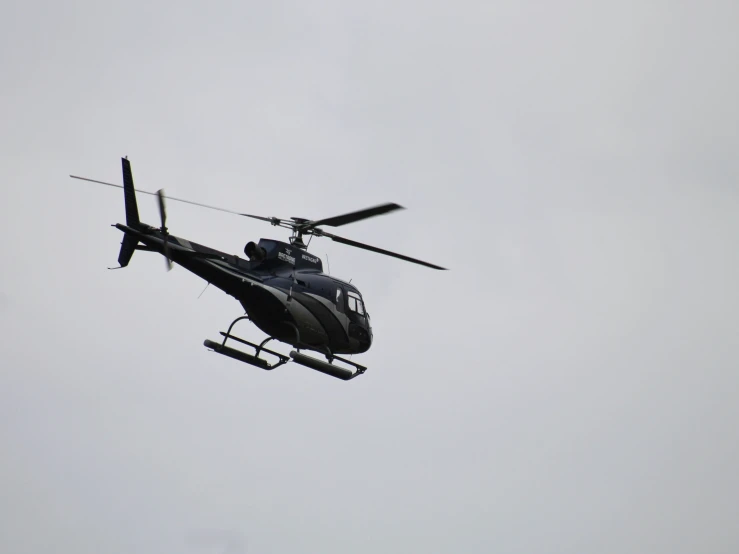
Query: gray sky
{"points": [[569, 386]]}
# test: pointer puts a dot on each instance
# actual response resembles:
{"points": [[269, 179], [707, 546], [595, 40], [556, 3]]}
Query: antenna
{"points": [[206, 286]]}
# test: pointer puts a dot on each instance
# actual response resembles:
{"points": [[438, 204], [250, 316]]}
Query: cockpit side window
{"points": [[339, 304]]}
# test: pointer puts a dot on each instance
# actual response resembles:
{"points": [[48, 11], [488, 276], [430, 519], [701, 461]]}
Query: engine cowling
{"points": [[254, 252]]}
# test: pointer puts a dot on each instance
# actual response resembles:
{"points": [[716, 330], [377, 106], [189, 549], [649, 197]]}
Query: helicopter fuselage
{"points": [[282, 289]]}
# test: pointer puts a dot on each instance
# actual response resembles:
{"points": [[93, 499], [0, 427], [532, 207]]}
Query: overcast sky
{"points": [[569, 386]]}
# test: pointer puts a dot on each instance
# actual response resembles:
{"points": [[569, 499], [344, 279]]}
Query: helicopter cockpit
{"points": [[355, 303], [350, 302]]}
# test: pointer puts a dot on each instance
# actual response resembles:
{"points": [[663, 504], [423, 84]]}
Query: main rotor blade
{"points": [[350, 242], [272, 220], [359, 215]]}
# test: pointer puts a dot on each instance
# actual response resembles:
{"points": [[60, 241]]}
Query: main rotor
{"points": [[300, 227]]}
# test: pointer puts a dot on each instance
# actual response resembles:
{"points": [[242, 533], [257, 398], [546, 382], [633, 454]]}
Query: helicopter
{"points": [[281, 286]]}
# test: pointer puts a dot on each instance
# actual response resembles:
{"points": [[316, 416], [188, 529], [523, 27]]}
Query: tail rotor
{"points": [[163, 217]]}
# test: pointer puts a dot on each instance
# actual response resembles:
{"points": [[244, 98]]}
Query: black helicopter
{"points": [[281, 287]]}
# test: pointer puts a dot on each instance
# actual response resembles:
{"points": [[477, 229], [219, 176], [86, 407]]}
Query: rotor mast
{"points": [[296, 239]]}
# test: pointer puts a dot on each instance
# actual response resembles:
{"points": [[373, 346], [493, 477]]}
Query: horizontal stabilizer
{"points": [[128, 247]]}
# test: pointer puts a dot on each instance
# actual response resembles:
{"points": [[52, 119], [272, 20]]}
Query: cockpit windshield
{"points": [[355, 303]]}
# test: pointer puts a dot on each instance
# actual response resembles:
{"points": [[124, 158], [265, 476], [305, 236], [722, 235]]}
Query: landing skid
{"points": [[328, 368]]}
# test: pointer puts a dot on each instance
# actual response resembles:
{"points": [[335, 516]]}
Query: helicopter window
{"points": [[355, 303], [338, 297]]}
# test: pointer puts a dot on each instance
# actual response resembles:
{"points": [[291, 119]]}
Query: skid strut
{"points": [[254, 360]]}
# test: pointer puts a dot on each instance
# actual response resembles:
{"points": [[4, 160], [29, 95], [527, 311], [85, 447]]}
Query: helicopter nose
{"points": [[362, 335]]}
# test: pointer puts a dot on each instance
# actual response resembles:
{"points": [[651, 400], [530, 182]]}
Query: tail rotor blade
{"points": [[167, 259], [163, 217], [162, 210]]}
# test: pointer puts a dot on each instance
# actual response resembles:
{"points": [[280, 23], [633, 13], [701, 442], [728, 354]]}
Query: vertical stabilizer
{"points": [[132, 210], [128, 246]]}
